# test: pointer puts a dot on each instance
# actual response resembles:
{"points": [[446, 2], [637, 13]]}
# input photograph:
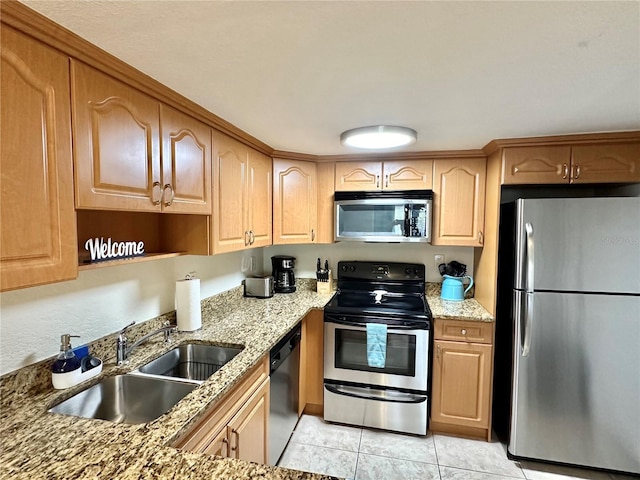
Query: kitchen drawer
{"points": [[463, 331]]}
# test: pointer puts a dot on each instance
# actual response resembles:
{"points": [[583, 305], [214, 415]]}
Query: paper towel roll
{"points": [[188, 312]]}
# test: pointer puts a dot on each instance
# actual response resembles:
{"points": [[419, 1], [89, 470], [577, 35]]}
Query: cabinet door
{"points": [[219, 445], [248, 430], [408, 175], [260, 199], [186, 163], [230, 164], [458, 205], [356, 176], [37, 216], [614, 163], [116, 136], [536, 165], [295, 210], [461, 384]]}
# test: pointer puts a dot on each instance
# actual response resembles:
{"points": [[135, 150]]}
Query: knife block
{"points": [[325, 287]]}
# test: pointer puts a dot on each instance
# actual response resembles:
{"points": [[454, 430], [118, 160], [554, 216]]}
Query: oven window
{"points": [[351, 352]]}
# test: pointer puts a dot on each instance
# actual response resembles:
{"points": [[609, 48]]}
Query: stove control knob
{"points": [[407, 271], [416, 272], [344, 268], [352, 268]]}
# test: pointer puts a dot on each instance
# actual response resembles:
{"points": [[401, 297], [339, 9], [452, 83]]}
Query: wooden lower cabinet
{"points": [[237, 426], [311, 399], [462, 378]]}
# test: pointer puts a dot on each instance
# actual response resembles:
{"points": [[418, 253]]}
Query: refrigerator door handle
{"points": [[528, 317], [528, 227]]}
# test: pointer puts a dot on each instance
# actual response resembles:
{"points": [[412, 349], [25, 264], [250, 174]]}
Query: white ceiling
{"points": [[295, 74]]}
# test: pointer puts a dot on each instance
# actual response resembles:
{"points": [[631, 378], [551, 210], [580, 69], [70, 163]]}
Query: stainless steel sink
{"points": [[126, 399], [192, 362]]}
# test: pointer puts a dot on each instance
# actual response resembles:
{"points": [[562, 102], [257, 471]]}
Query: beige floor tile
{"points": [[374, 467], [545, 471], [315, 459], [475, 455], [395, 445], [313, 430]]}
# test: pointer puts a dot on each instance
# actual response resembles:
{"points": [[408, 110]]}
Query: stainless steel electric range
{"points": [[377, 334]]}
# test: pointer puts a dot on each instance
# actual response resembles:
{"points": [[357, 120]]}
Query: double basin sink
{"points": [[151, 390]]}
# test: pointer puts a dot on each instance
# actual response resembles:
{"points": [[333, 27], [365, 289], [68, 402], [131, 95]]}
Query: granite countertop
{"points": [[468, 309], [38, 444]]}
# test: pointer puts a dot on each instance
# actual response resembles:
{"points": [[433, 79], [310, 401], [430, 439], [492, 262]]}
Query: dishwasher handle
{"points": [[284, 348]]}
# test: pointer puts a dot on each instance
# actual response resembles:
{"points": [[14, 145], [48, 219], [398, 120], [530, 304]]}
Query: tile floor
{"points": [[363, 454]]}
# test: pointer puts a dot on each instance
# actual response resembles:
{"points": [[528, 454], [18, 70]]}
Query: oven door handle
{"points": [[374, 394], [391, 328]]}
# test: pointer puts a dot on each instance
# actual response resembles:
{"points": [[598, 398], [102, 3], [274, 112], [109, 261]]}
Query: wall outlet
{"points": [[438, 258]]}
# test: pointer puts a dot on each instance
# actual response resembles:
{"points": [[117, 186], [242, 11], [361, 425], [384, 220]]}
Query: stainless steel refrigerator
{"points": [[575, 326]]}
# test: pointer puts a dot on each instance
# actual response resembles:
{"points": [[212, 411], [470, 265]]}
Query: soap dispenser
{"points": [[66, 369]]}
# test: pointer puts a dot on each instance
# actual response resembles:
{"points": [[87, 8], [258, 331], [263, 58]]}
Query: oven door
{"points": [[407, 353]]}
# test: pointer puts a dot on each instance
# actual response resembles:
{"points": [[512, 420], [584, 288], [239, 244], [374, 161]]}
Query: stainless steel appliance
{"points": [[569, 319], [261, 287], [392, 394], [389, 216], [284, 389], [285, 279]]}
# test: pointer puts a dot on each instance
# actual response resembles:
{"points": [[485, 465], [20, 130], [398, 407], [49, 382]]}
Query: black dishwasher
{"points": [[283, 411]]}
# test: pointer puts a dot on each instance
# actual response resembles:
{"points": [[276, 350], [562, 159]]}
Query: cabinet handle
{"points": [[481, 238], [578, 170], [386, 180], [463, 332], [252, 237], [247, 238], [168, 185], [377, 181], [225, 445], [565, 171], [438, 351], [235, 445], [153, 197], [313, 235]]}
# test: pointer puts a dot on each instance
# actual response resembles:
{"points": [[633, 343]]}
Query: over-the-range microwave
{"points": [[386, 216]]}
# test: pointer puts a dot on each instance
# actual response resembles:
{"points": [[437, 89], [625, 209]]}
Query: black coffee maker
{"points": [[284, 279]]}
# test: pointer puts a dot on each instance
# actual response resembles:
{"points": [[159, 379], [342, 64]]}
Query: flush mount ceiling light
{"points": [[378, 136]]}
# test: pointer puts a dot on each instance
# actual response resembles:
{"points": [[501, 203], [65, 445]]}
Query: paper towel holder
{"points": [[190, 276]]}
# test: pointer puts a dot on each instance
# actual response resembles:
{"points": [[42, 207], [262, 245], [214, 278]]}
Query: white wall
{"points": [[102, 301], [307, 255]]}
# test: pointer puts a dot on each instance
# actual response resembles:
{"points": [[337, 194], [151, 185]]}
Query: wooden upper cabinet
{"points": [[243, 193], [116, 144], [387, 175], [295, 209], [132, 153], [260, 203], [37, 217], [564, 164], [458, 203], [536, 165], [230, 167], [186, 163], [408, 175], [356, 176], [612, 163]]}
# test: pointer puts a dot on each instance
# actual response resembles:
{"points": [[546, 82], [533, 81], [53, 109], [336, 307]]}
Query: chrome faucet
{"points": [[123, 350]]}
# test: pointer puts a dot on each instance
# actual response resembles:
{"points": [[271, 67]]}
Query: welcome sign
{"points": [[110, 250]]}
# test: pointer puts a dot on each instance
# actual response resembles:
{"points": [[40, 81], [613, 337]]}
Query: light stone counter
{"points": [[36, 444], [468, 309]]}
